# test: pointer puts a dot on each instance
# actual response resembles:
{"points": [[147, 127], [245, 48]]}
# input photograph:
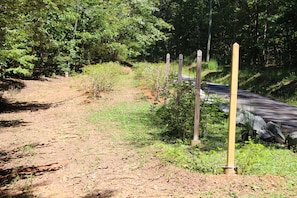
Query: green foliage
{"points": [[156, 78], [174, 154], [178, 114], [56, 36], [251, 157], [46, 37], [189, 20], [213, 65], [191, 158], [178, 117], [266, 31], [14, 56], [136, 123], [101, 77], [255, 158]]}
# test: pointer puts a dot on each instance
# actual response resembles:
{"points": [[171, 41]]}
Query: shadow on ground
{"points": [[12, 123], [11, 175], [101, 194], [7, 107], [17, 195], [11, 84]]}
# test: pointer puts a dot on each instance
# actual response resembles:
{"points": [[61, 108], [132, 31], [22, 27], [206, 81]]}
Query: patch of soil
{"points": [[57, 152]]}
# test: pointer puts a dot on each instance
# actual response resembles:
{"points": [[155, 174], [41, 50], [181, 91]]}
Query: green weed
{"points": [[255, 158]]}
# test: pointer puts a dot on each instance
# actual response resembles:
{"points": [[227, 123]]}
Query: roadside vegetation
{"points": [[274, 82], [100, 78], [155, 128]]}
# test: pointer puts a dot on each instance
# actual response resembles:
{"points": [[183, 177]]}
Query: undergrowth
{"points": [[101, 78], [156, 129], [137, 126], [273, 82]]}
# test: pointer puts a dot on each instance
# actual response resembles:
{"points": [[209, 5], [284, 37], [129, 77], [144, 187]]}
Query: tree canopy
{"points": [[265, 30], [53, 36]]}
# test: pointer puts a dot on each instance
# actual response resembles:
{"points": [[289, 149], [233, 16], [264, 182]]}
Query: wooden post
{"points": [[230, 167], [179, 77], [196, 140], [180, 66], [167, 72], [167, 65]]}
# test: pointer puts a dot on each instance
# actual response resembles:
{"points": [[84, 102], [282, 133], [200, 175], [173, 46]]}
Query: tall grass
{"points": [[156, 77], [101, 78]]}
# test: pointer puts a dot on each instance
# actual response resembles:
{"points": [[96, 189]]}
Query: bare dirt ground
{"points": [[49, 148]]}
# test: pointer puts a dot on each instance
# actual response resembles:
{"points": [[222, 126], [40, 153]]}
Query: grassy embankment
{"points": [[278, 83], [137, 125]]}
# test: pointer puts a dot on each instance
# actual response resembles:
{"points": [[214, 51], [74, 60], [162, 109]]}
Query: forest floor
{"points": [[49, 148]]}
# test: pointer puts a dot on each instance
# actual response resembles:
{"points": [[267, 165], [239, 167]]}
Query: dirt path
{"points": [[49, 148]]}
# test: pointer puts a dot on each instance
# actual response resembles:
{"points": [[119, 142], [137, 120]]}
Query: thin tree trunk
{"points": [[76, 20], [209, 31]]}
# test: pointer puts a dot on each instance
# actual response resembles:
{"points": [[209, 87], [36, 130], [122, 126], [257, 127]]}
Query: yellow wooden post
{"points": [[230, 167]]}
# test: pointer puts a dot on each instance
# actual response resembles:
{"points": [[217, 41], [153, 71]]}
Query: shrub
{"points": [[178, 114], [213, 65], [155, 77], [178, 117], [101, 77]]}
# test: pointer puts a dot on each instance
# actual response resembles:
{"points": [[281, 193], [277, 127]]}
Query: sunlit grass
{"points": [[135, 124]]}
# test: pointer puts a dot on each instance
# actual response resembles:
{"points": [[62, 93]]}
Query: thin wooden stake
{"points": [[167, 65], [196, 140], [180, 66], [167, 72], [179, 77]]}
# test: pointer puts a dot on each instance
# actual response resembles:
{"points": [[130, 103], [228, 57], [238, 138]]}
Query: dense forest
{"points": [[54, 36]]}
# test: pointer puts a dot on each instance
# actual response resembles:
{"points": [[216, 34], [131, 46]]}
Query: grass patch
{"points": [[135, 122], [132, 118], [212, 65], [191, 158], [255, 158], [137, 126]]}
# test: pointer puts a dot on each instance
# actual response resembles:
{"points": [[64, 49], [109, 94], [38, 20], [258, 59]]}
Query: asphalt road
{"points": [[268, 109]]}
